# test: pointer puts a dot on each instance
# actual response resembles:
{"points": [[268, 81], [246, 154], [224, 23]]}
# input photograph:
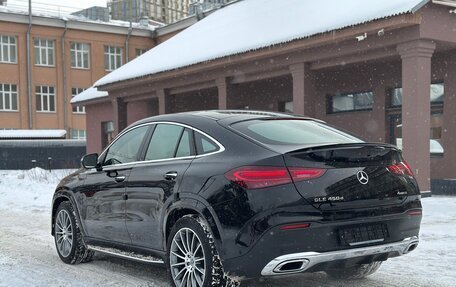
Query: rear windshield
{"points": [[293, 132]]}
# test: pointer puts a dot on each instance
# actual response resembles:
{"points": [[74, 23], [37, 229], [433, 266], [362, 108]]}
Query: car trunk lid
{"points": [[357, 175]]}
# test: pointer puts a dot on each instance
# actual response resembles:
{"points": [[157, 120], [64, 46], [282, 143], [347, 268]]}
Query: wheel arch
{"points": [[60, 196], [189, 206]]}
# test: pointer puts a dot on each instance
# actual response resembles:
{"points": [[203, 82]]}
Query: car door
{"points": [[167, 156], [103, 208]]}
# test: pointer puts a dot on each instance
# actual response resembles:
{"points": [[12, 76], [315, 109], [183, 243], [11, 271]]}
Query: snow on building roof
{"points": [[89, 94], [254, 24], [78, 18], [32, 134]]}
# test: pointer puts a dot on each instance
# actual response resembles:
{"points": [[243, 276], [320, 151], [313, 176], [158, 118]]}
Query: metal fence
{"points": [[47, 154]]}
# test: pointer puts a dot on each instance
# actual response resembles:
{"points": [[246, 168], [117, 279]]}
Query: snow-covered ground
{"points": [[28, 256]]}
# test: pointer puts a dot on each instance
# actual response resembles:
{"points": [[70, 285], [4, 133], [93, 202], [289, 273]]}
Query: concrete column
{"points": [[377, 124], [161, 94], [416, 107], [119, 115], [222, 87], [449, 120], [302, 89]]}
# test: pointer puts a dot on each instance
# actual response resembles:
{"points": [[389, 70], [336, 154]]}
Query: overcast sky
{"points": [[63, 6]]}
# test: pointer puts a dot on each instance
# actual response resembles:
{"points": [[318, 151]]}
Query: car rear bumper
{"points": [[319, 247], [300, 262]]}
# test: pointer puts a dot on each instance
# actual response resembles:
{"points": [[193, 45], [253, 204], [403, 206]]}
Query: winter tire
{"points": [[356, 272], [68, 238], [192, 258]]}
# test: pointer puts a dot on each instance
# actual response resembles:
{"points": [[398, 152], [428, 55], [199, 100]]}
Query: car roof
{"points": [[225, 117]]}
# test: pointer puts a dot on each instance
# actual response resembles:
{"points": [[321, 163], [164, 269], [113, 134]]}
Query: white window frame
{"points": [[80, 134], [45, 98], [7, 49], [4, 95], [113, 57], [45, 46], [74, 93], [79, 53]]}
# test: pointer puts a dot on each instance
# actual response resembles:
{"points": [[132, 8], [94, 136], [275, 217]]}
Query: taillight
{"points": [[401, 168], [254, 177], [300, 174]]}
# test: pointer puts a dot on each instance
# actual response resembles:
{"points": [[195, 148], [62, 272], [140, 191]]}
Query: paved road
{"points": [[28, 258]]}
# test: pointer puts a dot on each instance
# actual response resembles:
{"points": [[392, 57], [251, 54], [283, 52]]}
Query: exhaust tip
{"points": [[292, 266], [410, 248]]}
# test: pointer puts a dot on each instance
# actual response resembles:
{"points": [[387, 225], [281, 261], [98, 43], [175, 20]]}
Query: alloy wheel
{"points": [[187, 259], [63, 233]]}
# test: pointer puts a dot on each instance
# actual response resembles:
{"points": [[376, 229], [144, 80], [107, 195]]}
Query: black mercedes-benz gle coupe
{"points": [[225, 196]]}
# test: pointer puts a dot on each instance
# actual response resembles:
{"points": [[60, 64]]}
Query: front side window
{"points": [[44, 52], [126, 148], [113, 58], [351, 102], [8, 49], [8, 97], [80, 53], [45, 98], [74, 93]]}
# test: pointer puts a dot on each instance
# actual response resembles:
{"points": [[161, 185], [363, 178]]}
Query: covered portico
{"points": [[352, 78]]}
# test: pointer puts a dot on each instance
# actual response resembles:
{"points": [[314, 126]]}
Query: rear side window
{"points": [[164, 142], [185, 148], [205, 145], [126, 148], [293, 132]]}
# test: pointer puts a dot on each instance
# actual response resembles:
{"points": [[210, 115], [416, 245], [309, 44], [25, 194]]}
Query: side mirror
{"points": [[90, 160]]}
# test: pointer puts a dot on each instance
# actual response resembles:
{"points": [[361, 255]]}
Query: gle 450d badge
{"points": [[322, 199]]}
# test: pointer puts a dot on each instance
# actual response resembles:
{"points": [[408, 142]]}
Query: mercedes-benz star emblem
{"points": [[362, 177]]}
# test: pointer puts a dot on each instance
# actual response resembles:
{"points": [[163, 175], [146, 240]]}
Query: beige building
{"points": [[66, 57]]}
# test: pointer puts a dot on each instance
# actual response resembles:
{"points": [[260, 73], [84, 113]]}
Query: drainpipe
{"points": [[29, 79], [64, 73], [127, 46]]}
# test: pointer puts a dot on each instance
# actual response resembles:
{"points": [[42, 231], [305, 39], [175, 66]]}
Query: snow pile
{"points": [[30, 190], [253, 24]]}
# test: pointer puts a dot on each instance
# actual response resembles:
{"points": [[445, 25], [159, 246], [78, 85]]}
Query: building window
{"points": [[286, 107], [8, 97], [351, 102], [139, 52], [78, 134], [77, 109], [45, 98], [44, 52], [80, 53], [436, 95], [113, 58], [8, 49]]}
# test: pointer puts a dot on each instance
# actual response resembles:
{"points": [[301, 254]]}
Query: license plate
{"points": [[363, 234]]}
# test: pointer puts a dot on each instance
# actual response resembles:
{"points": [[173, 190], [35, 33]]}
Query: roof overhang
{"points": [[324, 39], [451, 3]]}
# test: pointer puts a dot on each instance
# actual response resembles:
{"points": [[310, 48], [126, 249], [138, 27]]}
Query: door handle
{"points": [[119, 178], [170, 175]]}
